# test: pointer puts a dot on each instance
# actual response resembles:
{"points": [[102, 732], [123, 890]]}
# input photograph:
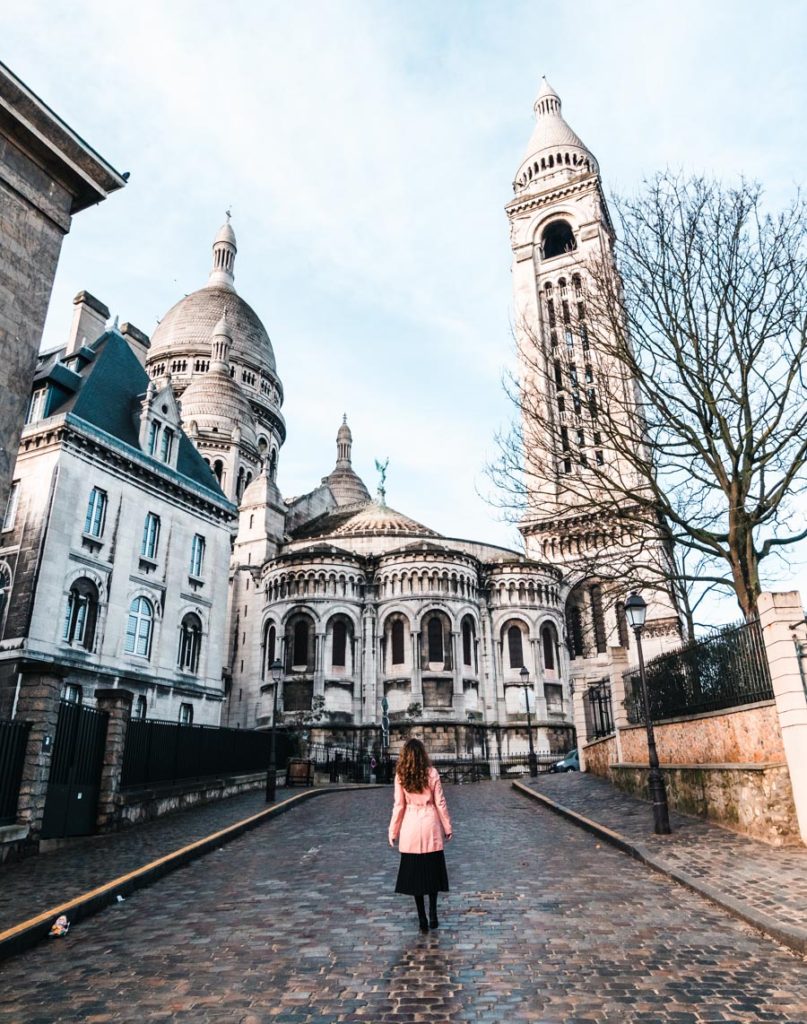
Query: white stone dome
{"points": [[218, 405], [186, 328]]}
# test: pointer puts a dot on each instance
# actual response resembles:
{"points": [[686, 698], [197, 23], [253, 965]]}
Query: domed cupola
{"points": [[346, 485], [180, 345], [217, 415], [555, 152]]}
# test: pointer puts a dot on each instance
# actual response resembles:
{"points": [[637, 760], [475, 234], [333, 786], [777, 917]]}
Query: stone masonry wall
{"points": [[749, 735], [600, 756], [757, 801]]}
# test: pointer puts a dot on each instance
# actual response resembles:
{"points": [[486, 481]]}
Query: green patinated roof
{"points": [[112, 387]]}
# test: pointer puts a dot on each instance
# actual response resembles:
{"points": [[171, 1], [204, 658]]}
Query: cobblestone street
{"points": [[297, 922]]}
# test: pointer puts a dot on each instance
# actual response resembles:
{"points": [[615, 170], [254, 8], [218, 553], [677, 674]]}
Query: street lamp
{"points": [[532, 760], [635, 611], [271, 775]]}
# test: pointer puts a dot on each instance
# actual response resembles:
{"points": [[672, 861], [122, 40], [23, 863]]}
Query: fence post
{"points": [[619, 665], [784, 633], [39, 704], [118, 705], [579, 697]]}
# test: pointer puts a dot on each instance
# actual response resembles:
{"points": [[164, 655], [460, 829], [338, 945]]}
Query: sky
{"points": [[366, 150]]}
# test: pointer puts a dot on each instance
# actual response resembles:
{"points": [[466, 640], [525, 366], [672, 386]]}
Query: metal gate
{"points": [[75, 772]]}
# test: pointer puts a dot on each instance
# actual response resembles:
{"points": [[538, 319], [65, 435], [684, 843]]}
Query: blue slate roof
{"points": [[112, 388]]}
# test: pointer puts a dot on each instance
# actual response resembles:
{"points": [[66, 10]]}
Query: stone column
{"points": [[417, 681], [579, 716], [38, 703], [539, 694], [370, 667], [458, 699], [785, 636], [619, 665], [319, 665], [118, 705]]}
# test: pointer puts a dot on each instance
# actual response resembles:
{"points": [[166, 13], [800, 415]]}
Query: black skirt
{"points": [[422, 873]]}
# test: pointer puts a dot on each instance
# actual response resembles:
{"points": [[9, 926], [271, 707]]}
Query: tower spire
{"points": [[344, 443], [220, 346], [222, 273]]}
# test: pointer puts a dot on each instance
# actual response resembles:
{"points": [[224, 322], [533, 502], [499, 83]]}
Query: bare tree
{"points": [[673, 425]]}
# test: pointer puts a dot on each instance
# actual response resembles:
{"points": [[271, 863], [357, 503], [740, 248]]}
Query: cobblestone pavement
{"points": [[33, 885], [772, 880], [296, 922]]}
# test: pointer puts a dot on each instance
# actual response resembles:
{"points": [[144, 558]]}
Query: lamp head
{"points": [[636, 610], [276, 670], [525, 675]]}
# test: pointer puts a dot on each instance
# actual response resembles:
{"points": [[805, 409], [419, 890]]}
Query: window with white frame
{"points": [[197, 555], [81, 614], [166, 444], [154, 434], [139, 627], [140, 709], [151, 536], [190, 643], [96, 513], [37, 405], [186, 714], [10, 516], [72, 693]]}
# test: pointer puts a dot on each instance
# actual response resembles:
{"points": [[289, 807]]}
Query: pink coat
{"points": [[417, 817]]}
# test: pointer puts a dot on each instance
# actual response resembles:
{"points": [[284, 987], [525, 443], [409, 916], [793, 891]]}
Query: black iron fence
{"points": [[724, 670], [162, 752], [599, 711], [13, 741]]}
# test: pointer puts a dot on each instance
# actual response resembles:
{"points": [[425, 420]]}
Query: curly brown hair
{"points": [[413, 767]]}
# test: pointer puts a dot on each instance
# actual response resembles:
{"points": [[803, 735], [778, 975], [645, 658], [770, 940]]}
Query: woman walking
{"points": [[420, 818]]}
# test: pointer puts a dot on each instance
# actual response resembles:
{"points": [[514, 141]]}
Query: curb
{"points": [[789, 935], [27, 933]]}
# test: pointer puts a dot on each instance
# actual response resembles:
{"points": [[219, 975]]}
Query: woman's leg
{"points": [[433, 922], [424, 924]]}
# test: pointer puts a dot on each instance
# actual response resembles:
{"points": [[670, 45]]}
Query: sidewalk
{"points": [[765, 886], [33, 885]]}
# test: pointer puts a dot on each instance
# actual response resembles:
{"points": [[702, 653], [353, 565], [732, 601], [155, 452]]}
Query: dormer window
{"points": [[166, 444], [37, 406]]}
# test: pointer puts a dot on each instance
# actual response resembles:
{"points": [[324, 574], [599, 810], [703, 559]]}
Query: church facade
{"points": [[358, 608]]}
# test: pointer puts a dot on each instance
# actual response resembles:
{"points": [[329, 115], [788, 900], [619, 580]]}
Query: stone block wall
{"points": [[600, 756], [747, 735], [754, 799]]}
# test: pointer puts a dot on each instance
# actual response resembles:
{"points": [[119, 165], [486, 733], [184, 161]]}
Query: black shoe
{"points": [[433, 922], [424, 924]]}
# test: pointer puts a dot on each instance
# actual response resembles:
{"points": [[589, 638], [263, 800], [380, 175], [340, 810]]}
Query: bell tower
{"points": [[559, 228]]}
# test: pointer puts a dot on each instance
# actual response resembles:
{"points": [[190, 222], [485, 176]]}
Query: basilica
{"points": [[338, 608]]}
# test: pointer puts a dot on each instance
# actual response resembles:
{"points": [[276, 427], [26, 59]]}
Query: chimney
{"points": [[138, 342], [89, 322]]}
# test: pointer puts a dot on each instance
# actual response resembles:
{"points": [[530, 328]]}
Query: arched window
{"points": [[598, 618], [299, 644], [575, 629], [557, 239], [140, 709], [218, 470], [467, 641], [190, 643], [239, 486], [139, 628], [339, 644], [81, 614], [5, 590], [397, 632], [548, 644], [435, 639], [273, 464], [515, 647], [269, 646]]}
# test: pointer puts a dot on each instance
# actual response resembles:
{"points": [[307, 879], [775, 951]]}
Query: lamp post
{"points": [[635, 611], [271, 775], [532, 760]]}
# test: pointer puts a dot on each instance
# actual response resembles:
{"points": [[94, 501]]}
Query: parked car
{"points": [[570, 763]]}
